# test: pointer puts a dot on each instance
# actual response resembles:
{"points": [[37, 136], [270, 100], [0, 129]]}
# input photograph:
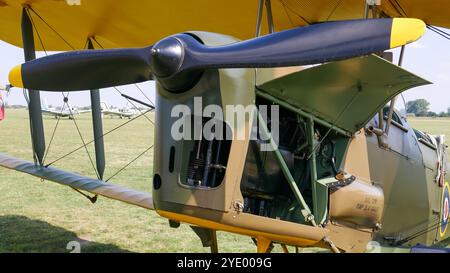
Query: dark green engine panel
{"points": [[345, 93]]}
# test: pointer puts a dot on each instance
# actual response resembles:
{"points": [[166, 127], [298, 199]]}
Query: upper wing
{"points": [[434, 12], [136, 23]]}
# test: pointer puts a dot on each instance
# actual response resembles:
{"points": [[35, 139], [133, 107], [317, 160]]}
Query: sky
{"points": [[429, 58]]}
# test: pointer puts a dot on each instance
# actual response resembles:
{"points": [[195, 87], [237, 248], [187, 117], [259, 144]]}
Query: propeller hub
{"points": [[167, 57]]}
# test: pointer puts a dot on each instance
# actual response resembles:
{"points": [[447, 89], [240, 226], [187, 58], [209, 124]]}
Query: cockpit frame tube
{"points": [[306, 211], [303, 113], [312, 164]]}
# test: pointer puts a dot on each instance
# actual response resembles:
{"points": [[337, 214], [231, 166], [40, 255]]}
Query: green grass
{"points": [[434, 126], [38, 216]]}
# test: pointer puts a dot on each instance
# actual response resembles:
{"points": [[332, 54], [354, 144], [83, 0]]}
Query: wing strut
{"points": [[97, 124], [34, 104]]}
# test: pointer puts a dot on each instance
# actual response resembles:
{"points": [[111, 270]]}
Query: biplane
{"points": [[345, 169], [64, 112], [125, 112]]}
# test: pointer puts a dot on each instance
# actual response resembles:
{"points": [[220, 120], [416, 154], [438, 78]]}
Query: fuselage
{"points": [[407, 172], [321, 183]]}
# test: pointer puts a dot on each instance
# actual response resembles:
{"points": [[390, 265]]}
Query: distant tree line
{"points": [[421, 108], [82, 108], [15, 106]]}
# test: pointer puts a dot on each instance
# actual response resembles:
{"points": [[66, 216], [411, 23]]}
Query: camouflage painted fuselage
{"points": [[385, 188]]}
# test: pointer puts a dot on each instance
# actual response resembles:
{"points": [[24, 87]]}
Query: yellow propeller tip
{"points": [[406, 30], [15, 77]]}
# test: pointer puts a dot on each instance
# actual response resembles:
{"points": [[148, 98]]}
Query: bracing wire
{"points": [[66, 97], [92, 141], [334, 9], [143, 93], [92, 199], [54, 132], [82, 139], [131, 162], [46, 54], [295, 12], [135, 107], [399, 8], [37, 31], [71, 113], [136, 85], [439, 32], [53, 29]]}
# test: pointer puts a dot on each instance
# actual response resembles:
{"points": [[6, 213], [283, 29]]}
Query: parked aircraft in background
{"points": [[125, 112], [63, 112]]}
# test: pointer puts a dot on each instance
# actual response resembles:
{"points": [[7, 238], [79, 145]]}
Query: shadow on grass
{"points": [[22, 234]]}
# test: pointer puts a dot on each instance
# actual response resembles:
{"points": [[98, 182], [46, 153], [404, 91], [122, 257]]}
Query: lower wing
{"points": [[79, 182]]}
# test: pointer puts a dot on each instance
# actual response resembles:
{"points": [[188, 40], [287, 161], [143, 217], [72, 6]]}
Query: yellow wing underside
{"points": [[136, 23]]}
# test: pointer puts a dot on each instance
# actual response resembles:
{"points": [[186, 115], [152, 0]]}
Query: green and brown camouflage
{"points": [[385, 189]]}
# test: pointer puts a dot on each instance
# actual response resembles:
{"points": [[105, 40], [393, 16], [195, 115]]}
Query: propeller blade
{"points": [[178, 61], [84, 70], [313, 44]]}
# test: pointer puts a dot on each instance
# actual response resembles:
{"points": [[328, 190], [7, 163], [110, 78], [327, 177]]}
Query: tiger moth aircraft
{"points": [[343, 171], [64, 112], [125, 112]]}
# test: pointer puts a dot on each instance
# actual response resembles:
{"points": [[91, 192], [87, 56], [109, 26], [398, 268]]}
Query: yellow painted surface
{"points": [[136, 23], [263, 244], [15, 76], [265, 237], [405, 31]]}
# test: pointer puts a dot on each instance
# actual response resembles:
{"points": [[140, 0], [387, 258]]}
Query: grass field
{"points": [[432, 126], [38, 216]]}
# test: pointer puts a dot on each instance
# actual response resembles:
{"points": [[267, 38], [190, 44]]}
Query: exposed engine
{"points": [[264, 187]]}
